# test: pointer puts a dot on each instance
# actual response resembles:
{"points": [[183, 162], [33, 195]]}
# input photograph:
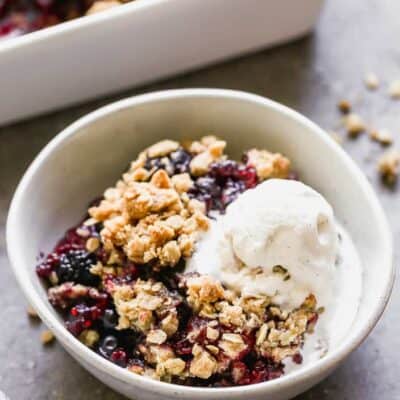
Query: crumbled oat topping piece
{"points": [[371, 81], [156, 336], [162, 148], [102, 5], [230, 314], [182, 182], [92, 244], [232, 344], [143, 305], [354, 124], [284, 338], [47, 337], [203, 364], [382, 136], [212, 150], [203, 292], [394, 89], [151, 221], [174, 366], [170, 324], [268, 165], [388, 166], [344, 106], [212, 334]]}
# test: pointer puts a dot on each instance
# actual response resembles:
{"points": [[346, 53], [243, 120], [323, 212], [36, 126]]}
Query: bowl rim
{"points": [[95, 361]]}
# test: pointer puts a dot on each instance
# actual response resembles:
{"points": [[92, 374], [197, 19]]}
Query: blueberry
{"points": [[108, 345], [110, 319], [180, 160], [208, 185]]}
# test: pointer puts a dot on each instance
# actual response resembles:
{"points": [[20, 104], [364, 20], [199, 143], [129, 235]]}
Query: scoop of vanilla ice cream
{"points": [[278, 239]]}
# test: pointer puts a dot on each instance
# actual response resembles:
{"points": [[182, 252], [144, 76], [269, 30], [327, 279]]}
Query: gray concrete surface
{"points": [[311, 75]]}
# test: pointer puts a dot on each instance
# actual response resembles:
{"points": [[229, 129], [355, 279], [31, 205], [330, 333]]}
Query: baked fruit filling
{"points": [[119, 278], [18, 17]]}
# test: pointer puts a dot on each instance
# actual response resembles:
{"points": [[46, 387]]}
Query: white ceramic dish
{"points": [[89, 155], [137, 43]]}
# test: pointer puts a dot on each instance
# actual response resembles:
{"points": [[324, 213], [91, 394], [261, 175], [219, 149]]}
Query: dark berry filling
{"points": [[223, 184], [18, 17]]}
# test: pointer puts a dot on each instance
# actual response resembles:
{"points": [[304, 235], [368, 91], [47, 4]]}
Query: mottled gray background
{"points": [[310, 75]]}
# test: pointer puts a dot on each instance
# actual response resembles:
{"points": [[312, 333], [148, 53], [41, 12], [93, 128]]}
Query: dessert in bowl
{"points": [[196, 268]]}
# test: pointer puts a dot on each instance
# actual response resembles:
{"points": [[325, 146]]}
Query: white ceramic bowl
{"points": [[89, 155]]}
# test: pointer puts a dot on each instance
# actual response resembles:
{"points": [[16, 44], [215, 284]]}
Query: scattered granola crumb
{"points": [[344, 106], [47, 337], [371, 81], [382, 136], [388, 166], [354, 124], [394, 89], [32, 312]]}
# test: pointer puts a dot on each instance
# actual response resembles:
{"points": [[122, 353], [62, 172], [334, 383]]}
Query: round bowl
{"points": [[89, 155]]}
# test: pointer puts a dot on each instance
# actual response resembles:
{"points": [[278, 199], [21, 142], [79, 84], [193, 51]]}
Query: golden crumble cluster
{"points": [[151, 221], [269, 165], [148, 307]]}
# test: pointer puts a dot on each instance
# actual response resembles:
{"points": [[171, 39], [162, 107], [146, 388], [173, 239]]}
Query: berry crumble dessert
{"points": [[18, 17], [199, 270]]}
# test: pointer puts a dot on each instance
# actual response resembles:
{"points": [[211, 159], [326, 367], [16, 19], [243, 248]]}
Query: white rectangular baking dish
{"points": [[137, 43]]}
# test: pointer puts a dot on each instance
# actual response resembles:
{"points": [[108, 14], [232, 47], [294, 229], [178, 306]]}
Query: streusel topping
{"points": [[151, 221]]}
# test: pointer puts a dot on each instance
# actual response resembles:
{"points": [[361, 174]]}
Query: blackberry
{"points": [[74, 266], [225, 181]]}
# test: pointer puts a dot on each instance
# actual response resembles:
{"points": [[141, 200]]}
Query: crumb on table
{"points": [[47, 337]]}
